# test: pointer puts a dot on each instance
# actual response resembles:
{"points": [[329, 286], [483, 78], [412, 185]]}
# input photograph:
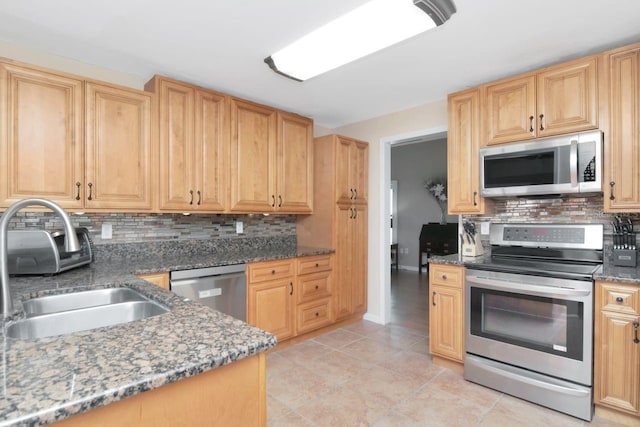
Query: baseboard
{"points": [[373, 318], [408, 267]]}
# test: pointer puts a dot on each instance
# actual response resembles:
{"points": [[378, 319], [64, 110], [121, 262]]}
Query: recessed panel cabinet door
{"points": [[463, 148], [270, 307], [295, 164], [41, 139], [359, 251], [253, 150], [346, 264], [510, 110], [622, 147], [359, 171], [118, 146], [445, 322], [344, 171]]}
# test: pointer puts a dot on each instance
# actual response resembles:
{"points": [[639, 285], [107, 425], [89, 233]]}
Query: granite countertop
{"points": [[609, 272], [52, 378]]}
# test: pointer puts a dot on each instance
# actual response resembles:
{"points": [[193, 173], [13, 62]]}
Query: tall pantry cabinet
{"points": [[339, 220]]}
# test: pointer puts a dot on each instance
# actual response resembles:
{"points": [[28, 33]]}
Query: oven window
{"points": [[545, 324], [510, 171]]}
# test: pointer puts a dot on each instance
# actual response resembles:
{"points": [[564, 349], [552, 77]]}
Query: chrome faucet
{"points": [[71, 243]]}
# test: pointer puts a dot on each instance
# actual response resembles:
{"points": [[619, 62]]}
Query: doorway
{"points": [[386, 209]]}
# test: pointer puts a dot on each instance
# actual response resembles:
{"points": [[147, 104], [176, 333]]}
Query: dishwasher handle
{"points": [[208, 272]]}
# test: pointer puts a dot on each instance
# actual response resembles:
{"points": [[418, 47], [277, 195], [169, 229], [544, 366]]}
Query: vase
{"points": [[443, 215]]}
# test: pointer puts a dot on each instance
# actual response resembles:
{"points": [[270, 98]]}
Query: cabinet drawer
{"points": [[313, 315], [619, 297], [447, 275], [271, 270], [312, 264], [314, 286]]}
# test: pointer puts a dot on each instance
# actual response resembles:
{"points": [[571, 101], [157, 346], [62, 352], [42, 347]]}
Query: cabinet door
{"points": [[211, 151], [617, 362], [622, 148], [253, 151], [270, 307], [294, 164], [345, 270], [41, 140], [567, 99], [510, 110], [359, 171], [158, 279], [118, 147], [344, 158], [359, 260], [463, 145], [446, 322], [176, 145]]}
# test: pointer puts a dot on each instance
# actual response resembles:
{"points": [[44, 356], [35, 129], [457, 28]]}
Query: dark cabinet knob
{"points": [[317, 265], [317, 287], [619, 300], [273, 272], [317, 314]]}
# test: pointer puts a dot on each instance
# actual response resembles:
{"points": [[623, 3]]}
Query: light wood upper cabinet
{"points": [[352, 171], [622, 146], [253, 154], [41, 136], [463, 146], [194, 138], [555, 100], [616, 351], [118, 148], [294, 167]]}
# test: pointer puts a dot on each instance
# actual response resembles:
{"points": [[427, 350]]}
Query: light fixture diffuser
{"points": [[371, 27]]}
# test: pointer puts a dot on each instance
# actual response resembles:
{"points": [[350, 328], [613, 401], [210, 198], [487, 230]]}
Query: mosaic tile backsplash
{"points": [[131, 228], [554, 210]]}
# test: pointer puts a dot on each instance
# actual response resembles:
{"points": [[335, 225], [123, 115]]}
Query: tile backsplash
{"points": [[137, 227]]}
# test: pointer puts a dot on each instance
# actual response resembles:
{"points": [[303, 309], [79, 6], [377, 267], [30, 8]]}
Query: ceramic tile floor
{"points": [[366, 374]]}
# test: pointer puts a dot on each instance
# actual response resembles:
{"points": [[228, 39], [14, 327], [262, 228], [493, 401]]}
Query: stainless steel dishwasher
{"points": [[221, 288]]}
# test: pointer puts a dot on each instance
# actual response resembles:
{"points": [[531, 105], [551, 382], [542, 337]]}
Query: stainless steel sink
{"points": [[76, 300], [80, 311]]}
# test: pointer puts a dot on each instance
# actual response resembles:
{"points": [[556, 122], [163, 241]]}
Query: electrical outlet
{"points": [[239, 227], [484, 227], [107, 231]]}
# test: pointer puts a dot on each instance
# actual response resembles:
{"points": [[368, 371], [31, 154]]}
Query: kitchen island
{"points": [[55, 378]]}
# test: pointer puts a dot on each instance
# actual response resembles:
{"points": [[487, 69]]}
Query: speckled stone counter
{"points": [[455, 259], [53, 378]]}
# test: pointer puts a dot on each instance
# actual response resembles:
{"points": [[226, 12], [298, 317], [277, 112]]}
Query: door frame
{"points": [[384, 268]]}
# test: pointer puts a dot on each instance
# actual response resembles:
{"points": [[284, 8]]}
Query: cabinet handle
{"points": [[619, 300], [350, 213], [475, 193], [191, 193], [273, 272], [433, 299], [317, 314], [351, 189], [541, 117], [273, 201], [78, 193], [291, 291], [355, 213], [531, 123], [199, 197], [355, 190], [635, 332], [280, 201], [317, 265], [90, 191], [611, 196], [317, 287], [444, 277]]}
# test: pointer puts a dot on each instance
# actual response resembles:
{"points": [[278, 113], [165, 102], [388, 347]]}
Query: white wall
{"points": [[427, 116], [411, 165]]}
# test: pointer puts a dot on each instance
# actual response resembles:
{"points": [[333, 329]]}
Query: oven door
{"points": [[538, 323]]}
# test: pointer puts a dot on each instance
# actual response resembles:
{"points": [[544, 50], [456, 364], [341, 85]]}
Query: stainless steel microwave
{"points": [[558, 165]]}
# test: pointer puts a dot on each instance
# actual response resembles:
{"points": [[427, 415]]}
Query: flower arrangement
{"points": [[438, 189]]}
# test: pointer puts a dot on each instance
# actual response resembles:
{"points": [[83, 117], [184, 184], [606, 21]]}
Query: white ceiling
{"points": [[221, 44]]}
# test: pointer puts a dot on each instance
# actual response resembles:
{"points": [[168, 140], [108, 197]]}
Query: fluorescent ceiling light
{"points": [[371, 27]]}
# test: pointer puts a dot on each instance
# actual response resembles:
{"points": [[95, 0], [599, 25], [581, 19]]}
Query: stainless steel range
{"points": [[529, 314]]}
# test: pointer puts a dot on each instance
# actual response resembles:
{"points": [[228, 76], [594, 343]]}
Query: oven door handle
{"points": [[573, 163], [546, 291]]}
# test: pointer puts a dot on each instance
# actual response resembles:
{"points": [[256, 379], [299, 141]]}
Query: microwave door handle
{"points": [[573, 163], [540, 290]]}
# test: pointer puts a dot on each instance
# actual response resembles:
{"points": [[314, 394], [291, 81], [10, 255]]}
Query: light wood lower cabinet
{"points": [[233, 395], [285, 303], [158, 279], [446, 311], [617, 347]]}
